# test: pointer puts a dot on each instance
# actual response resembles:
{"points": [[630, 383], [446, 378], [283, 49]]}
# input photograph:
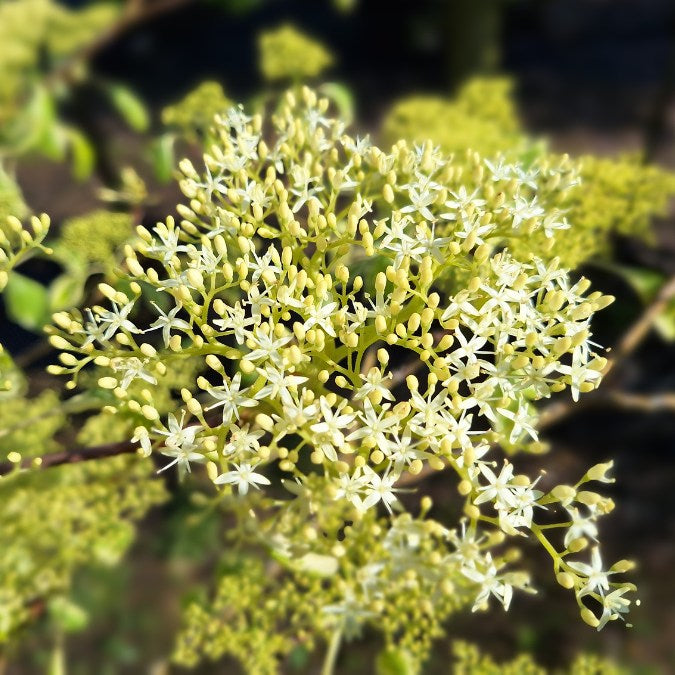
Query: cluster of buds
{"points": [[17, 242]]}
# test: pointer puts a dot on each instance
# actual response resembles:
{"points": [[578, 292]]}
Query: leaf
{"points": [[392, 661], [52, 142], [645, 282], [163, 157], [27, 302], [82, 153], [343, 98], [33, 129], [65, 291], [129, 106], [69, 617], [665, 322]]}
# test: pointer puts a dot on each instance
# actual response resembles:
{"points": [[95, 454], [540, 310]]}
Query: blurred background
{"points": [[580, 76]]}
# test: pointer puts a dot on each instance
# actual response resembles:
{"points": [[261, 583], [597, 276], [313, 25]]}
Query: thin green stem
{"points": [[328, 667]]}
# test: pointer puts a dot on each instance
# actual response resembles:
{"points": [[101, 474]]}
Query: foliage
{"points": [[469, 661], [95, 237], [193, 116], [482, 117], [611, 196], [307, 265], [286, 53], [11, 199], [40, 41], [56, 521]]}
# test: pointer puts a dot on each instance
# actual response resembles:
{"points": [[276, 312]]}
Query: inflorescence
{"points": [[361, 321]]}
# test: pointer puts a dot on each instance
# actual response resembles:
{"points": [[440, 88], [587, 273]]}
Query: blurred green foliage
{"points": [[613, 196], [286, 53], [470, 661]]}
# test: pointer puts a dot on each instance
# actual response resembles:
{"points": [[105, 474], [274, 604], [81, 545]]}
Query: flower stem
{"points": [[328, 667]]}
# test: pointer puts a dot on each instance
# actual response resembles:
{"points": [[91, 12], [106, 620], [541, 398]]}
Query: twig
{"points": [[70, 457], [649, 404], [640, 329]]}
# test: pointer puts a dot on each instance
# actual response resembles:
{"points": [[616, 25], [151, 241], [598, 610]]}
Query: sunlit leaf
{"points": [[129, 106], [26, 302]]}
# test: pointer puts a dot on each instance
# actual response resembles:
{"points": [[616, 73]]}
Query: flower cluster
{"points": [[286, 53], [602, 196], [468, 660], [16, 242], [359, 320]]}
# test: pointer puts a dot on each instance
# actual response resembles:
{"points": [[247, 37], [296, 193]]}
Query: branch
{"points": [[640, 329], [70, 457]]}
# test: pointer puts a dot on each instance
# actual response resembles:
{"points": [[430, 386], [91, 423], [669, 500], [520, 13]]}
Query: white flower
{"points": [[236, 321], [169, 246], [351, 486], [597, 579], [231, 397], [614, 605], [133, 369], [242, 442], [117, 320], [242, 476], [523, 421], [320, 316], [265, 347], [268, 266], [180, 443], [375, 425], [499, 488], [330, 430], [142, 437], [490, 582], [374, 384], [579, 373], [581, 527], [278, 383], [379, 488], [167, 321]]}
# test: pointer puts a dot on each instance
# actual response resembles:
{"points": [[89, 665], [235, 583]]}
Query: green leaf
{"points": [[343, 98], [163, 157], [665, 322], [645, 282], [65, 291], [33, 129], [82, 153], [129, 106], [392, 661], [69, 617], [52, 142], [27, 302]]}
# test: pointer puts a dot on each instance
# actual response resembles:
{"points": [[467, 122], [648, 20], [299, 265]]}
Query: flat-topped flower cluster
{"points": [[359, 320]]}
